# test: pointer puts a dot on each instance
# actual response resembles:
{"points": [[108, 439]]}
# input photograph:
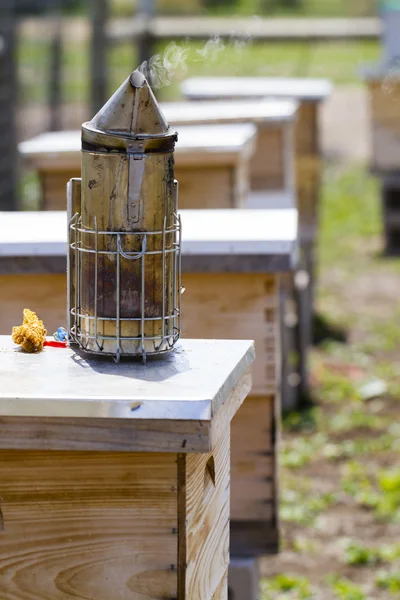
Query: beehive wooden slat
{"points": [[253, 460], [69, 523], [221, 305], [195, 193], [267, 165], [204, 520]]}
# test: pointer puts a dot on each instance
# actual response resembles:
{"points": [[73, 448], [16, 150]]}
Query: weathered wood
{"points": [[150, 523], [254, 538], [208, 187], [253, 465], [90, 388], [268, 164], [308, 180], [211, 164], [42, 433], [293, 351], [272, 163], [384, 94], [204, 518], [88, 524], [45, 294], [227, 305]]}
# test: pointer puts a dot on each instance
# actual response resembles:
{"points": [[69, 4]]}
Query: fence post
{"points": [[145, 42], [98, 55], [8, 103], [55, 67]]}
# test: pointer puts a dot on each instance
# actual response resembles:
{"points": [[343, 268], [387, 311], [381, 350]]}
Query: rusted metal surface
{"points": [[126, 234]]}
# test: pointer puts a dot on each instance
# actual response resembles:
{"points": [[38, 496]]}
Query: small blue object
{"points": [[61, 335]]}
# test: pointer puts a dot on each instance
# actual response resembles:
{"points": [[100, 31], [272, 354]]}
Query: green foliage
{"points": [[389, 580], [301, 505], [380, 493], [300, 451], [301, 8], [344, 589], [348, 193], [286, 587], [357, 554], [302, 421], [361, 447]]}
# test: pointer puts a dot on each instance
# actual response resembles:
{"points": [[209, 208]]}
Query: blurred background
{"points": [[340, 468], [63, 58]]}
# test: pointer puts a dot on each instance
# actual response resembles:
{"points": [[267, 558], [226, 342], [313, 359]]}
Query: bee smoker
{"points": [[124, 234]]}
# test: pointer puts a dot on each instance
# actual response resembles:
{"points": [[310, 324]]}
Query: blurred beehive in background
{"points": [[383, 82]]}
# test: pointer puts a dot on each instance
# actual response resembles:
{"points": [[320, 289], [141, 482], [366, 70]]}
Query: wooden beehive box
{"points": [[209, 163], [310, 93], [232, 262], [384, 96], [272, 164], [115, 480]]}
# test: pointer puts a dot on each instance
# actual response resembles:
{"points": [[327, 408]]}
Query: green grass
{"points": [[378, 491], [339, 62], [301, 8], [300, 504], [389, 580], [287, 587], [324, 8], [346, 590]]}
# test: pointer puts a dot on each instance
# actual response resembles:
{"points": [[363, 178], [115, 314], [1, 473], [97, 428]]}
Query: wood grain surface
{"points": [[45, 294], [204, 516], [88, 525], [236, 306], [253, 454], [207, 187]]}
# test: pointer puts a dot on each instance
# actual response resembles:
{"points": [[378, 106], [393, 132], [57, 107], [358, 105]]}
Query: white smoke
{"points": [[162, 69]]}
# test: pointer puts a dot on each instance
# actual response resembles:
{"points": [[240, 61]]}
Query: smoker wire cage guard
{"points": [[147, 333], [124, 233]]}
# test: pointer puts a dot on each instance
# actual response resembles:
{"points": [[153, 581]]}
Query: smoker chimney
{"points": [[124, 232]]}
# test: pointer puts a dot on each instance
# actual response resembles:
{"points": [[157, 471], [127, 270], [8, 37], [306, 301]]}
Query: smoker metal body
{"points": [[124, 231]]}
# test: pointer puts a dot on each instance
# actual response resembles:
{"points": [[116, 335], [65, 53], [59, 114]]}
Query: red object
{"points": [[56, 344]]}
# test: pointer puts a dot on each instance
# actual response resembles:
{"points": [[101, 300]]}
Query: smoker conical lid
{"points": [[132, 111]]}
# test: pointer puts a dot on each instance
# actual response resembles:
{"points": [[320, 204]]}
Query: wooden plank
{"points": [[87, 524], [308, 179], [233, 305], [204, 515], [254, 538], [45, 294], [291, 343], [205, 187], [307, 129], [385, 146], [253, 460], [54, 187], [222, 592], [267, 165], [96, 434]]}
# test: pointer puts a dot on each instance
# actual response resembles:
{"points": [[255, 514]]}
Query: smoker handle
{"points": [[132, 255]]}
